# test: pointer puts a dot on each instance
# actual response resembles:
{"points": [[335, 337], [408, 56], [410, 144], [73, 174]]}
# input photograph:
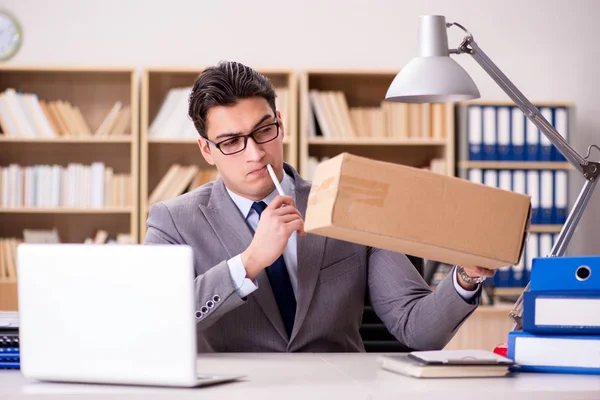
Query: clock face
{"points": [[10, 36]]}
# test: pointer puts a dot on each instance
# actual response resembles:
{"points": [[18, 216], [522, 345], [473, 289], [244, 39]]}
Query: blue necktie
{"points": [[280, 283]]}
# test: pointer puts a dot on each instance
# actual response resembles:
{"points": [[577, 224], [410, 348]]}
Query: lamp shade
{"points": [[432, 77]]}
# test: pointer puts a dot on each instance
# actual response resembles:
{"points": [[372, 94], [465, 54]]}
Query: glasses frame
{"points": [[246, 137]]}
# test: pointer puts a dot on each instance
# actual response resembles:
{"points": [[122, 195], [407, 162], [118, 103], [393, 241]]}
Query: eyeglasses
{"points": [[237, 144]]}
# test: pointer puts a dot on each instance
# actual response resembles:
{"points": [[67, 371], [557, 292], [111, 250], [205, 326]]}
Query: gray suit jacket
{"points": [[333, 277]]}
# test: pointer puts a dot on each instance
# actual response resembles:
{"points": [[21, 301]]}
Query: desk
{"points": [[332, 376]]}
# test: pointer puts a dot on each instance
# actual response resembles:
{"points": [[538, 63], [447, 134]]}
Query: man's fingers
{"points": [[286, 210], [279, 201], [289, 217], [297, 225]]}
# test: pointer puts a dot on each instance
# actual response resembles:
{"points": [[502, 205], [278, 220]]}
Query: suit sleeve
{"points": [[420, 318], [215, 291]]}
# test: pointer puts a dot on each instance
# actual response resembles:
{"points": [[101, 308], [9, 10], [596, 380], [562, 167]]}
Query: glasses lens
{"points": [[232, 145], [266, 133]]}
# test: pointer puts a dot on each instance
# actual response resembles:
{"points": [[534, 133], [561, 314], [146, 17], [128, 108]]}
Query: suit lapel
{"points": [[310, 257], [235, 235]]}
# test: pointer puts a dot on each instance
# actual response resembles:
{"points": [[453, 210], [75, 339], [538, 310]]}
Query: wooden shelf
{"points": [[186, 141], [173, 141], [376, 142], [157, 154], [509, 103], [508, 291], [94, 91], [545, 228], [514, 165], [69, 140], [367, 88], [61, 210]]}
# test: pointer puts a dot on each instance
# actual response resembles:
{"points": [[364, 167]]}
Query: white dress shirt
{"points": [[245, 286]]}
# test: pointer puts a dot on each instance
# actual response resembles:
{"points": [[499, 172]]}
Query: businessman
{"points": [[262, 283]]}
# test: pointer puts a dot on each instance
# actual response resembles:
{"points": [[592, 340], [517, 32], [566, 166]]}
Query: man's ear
{"points": [[281, 127], [205, 150]]}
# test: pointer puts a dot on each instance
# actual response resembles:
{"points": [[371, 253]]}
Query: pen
{"points": [[275, 180]]}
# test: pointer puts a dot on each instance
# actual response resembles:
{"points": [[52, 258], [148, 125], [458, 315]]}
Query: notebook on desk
{"points": [[447, 364], [117, 314]]}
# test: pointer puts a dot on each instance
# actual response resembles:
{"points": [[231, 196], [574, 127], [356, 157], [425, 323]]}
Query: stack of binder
{"points": [[561, 318], [500, 147], [10, 354], [503, 133]]}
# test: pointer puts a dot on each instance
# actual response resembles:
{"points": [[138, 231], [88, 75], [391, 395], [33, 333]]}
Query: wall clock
{"points": [[11, 35]]}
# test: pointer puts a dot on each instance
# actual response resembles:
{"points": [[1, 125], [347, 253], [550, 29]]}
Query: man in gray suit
{"points": [[263, 283]]}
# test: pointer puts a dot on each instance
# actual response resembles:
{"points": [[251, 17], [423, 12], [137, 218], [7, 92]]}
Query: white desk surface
{"points": [[320, 375]]}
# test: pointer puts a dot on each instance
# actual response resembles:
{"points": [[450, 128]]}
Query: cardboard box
{"points": [[417, 212]]}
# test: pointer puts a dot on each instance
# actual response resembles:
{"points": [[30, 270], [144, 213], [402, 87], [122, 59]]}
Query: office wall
{"points": [[549, 49]]}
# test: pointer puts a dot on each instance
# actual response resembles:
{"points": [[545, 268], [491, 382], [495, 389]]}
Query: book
{"points": [[553, 353], [447, 364]]}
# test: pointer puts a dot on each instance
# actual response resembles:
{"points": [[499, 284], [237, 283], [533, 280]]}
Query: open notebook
{"points": [[446, 364]]}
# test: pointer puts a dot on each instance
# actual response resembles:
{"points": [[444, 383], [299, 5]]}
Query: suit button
{"points": [[198, 314], [204, 310], [216, 298], [210, 304]]}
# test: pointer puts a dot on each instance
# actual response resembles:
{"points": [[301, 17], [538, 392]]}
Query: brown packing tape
{"points": [[366, 191]]}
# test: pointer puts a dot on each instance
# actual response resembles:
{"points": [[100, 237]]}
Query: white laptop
{"points": [[117, 314]]}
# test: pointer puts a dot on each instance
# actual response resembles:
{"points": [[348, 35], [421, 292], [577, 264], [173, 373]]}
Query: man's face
{"points": [[244, 173]]}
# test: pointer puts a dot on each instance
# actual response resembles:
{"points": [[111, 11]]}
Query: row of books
{"points": [[73, 186], [331, 118], [561, 322], [437, 165], [505, 134], [24, 115], [172, 119], [180, 178], [548, 190], [8, 246]]}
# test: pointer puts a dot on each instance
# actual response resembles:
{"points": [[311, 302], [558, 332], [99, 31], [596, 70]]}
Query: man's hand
{"points": [[474, 272], [277, 223]]}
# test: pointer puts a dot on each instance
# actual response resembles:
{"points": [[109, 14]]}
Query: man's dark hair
{"points": [[224, 85]]}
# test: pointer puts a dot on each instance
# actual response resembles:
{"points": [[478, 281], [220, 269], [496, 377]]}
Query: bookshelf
{"points": [[341, 110], [68, 157], [162, 149], [498, 146]]}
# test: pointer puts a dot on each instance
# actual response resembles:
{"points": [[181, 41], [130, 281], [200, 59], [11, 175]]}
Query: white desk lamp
{"points": [[434, 77]]}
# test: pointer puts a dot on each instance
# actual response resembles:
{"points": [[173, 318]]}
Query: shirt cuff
{"points": [[467, 295], [243, 286]]}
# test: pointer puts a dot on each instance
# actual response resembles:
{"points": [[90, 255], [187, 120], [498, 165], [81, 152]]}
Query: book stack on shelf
{"points": [[171, 162], [24, 115], [334, 119], [68, 154], [180, 179], [500, 147], [345, 111], [73, 186]]}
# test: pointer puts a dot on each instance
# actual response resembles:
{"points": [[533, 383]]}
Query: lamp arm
{"points": [[530, 111], [589, 170]]}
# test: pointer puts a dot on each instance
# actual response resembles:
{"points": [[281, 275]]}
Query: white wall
{"points": [[548, 48]]}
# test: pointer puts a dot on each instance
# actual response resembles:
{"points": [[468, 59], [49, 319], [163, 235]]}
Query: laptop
{"points": [[116, 314]]}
